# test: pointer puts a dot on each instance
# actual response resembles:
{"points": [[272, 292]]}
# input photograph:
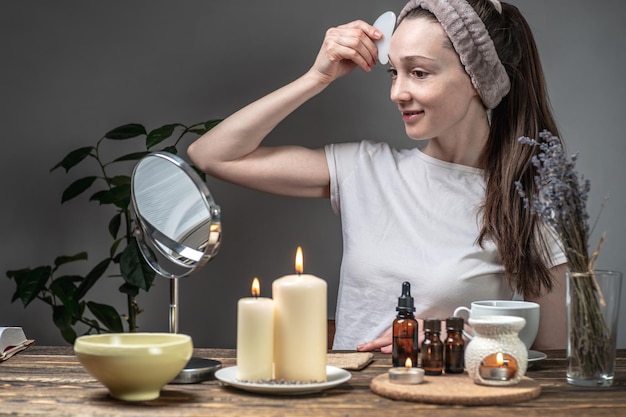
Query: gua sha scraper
{"points": [[385, 23]]}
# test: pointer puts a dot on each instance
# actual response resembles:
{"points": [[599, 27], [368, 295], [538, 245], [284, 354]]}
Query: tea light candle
{"points": [[255, 336], [300, 341], [501, 370], [406, 375]]}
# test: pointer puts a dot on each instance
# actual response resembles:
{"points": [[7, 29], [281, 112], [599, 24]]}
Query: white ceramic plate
{"points": [[534, 355], [334, 376], [386, 22]]}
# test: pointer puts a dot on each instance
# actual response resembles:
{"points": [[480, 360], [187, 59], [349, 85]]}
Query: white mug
{"points": [[525, 309]]}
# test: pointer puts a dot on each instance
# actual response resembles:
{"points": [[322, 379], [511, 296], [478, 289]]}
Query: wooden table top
{"points": [[50, 381]]}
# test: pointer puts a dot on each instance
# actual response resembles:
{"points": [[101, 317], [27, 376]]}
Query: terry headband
{"points": [[472, 42]]}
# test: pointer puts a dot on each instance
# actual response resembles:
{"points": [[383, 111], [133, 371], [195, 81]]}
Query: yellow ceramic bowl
{"points": [[134, 366]]}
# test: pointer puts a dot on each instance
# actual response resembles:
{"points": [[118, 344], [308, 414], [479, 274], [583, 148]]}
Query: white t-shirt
{"points": [[408, 217]]}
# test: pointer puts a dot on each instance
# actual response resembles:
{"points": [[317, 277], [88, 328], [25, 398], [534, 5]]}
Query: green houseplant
{"points": [[67, 293]]}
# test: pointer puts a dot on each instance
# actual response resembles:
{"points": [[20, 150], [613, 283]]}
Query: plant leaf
{"points": [[81, 311], [107, 316], [158, 135], [29, 282], [114, 225], [62, 318], [120, 180], [77, 187], [92, 277], [135, 156], [65, 289], [210, 124], [74, 158], [129, 289], [128, 131], [134, 268], [114, 247], [97, 196], [61, 260], [120, 196], [171, 149]]}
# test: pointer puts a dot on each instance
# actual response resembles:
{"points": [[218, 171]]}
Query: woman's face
{"points": [[429, 84]]}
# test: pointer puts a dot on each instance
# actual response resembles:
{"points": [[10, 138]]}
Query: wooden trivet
{"points": [[455, 390], [353, 361]]}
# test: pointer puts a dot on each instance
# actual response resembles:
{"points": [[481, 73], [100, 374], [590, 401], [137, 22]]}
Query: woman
{"points": [[466, 78]]}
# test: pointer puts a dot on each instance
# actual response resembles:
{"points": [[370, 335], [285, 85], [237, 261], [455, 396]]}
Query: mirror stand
{"points": [[174, 305], [197, 369]]}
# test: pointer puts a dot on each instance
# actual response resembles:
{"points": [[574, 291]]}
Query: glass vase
{"points": [[592, 314]]}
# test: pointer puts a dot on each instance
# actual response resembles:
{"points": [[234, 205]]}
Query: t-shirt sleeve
{"points": [[341, 159]]}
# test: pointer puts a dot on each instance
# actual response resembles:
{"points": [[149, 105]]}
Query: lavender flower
{"points": [[560, 200]]}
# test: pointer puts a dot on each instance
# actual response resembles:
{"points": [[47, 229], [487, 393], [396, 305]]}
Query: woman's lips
{"points": [[410, 116]]}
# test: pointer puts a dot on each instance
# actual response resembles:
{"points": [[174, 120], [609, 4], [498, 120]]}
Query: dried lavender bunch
{"points": [[561, 202]]}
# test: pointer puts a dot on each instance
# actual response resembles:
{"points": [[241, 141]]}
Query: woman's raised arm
{"points": [[231, 150]]}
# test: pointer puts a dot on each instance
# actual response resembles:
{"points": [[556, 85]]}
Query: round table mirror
{"points": [[178, 230]]}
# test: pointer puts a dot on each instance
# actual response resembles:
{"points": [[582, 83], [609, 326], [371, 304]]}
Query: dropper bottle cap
{"points": [[405, 301]]}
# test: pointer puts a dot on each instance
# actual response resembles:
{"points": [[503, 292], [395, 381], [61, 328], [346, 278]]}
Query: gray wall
{"points": [[72, 70]]}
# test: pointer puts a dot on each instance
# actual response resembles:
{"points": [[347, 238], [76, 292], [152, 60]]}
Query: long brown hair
{"points": [[525, 111]]}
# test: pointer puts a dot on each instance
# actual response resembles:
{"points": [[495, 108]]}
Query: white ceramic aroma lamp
{"points": [[496, 355]]}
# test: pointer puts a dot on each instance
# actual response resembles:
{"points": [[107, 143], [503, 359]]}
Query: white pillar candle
{"points": [[300, 334], [255, 336]]}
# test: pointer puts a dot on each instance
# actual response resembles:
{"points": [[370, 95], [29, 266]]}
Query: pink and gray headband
{"points": [[472, 42]]}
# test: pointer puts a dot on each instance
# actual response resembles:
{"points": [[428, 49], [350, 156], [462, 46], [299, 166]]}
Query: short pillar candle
{"points": [[255, 336]]}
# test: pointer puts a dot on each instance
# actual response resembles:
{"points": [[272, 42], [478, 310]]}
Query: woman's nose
{"points": [[399, 93]]}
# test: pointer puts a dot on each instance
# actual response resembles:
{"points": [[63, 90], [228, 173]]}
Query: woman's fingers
{"points": [[355, 41], [382, 342], [347, 46]]}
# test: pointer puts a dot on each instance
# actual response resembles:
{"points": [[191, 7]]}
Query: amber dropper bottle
{"points": [[405, 330]]}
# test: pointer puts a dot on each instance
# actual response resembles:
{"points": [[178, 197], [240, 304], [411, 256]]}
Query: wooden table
{"points": [[49, 381]]}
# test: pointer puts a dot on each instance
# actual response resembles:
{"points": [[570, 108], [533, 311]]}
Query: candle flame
{"points": [[408, 363], [256, 287], [499, 359], [299, 261]]}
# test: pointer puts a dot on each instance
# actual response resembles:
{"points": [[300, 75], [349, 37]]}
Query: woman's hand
{"points": [[344, 48], [382, 342]]}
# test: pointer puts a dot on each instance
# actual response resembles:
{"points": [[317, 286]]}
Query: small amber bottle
{"points": [[454, 346], [432, 348], [405, 330]]}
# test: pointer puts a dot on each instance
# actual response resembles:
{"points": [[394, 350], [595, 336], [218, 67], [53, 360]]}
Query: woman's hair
{"points": [[524, 111]]}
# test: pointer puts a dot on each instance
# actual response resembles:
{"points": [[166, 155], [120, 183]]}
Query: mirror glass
{"points": [[179, 227]]}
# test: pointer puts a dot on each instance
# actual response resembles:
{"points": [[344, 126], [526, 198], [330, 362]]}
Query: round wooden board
{"points": [[455, 390]]}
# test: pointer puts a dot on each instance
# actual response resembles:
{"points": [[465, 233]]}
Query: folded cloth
{"points": [[352, 361]]}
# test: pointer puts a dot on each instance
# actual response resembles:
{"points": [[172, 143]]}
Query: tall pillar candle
{"points": [[255, 336], [300, 326]]}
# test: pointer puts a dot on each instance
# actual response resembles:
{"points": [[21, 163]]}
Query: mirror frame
{"points": [[149, 237]]}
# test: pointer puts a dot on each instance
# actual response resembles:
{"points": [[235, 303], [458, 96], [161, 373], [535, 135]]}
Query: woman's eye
{"points": [[393, 72], [419, 73]]}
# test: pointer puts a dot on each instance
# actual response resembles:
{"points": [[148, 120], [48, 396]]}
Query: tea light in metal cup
{"points": [[498, 367], [406, 375]]}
